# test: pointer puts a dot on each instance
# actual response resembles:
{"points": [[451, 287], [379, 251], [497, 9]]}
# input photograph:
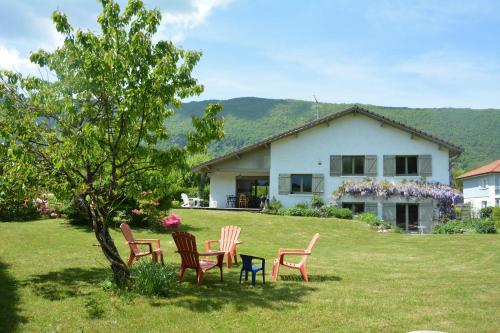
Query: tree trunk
{"points": [[120, 269]]}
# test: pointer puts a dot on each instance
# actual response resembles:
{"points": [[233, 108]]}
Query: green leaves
{"points": [[94, 129]]}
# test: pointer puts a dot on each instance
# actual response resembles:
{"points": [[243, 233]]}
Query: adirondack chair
{"points": [[190, 257], [229, 239], [301, 265], [153, 246]]}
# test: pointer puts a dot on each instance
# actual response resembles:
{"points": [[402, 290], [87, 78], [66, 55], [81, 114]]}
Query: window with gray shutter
{"points": [[284, 184], [425, 165], [335, 165], [389, 165], [371, 165], [371, 207], [389, 212], [318, 183]]}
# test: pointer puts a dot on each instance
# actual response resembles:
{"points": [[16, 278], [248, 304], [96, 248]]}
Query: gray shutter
{"points": [[425, 165], [389, 212], [371, 165], [371, 207], [389, 165], [285, 183], [335, 165], [425, 215], [318, 183]]}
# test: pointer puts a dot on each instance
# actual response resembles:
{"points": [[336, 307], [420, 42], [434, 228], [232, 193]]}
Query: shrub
{"points": [[485, 213], [317, 201], [495, 216], [370, 218], [486, 227], [481, 226], [311, 212], [296, 211], [450, 227], [14, 210], [153, 279], [176, 203], [282, 211], [273, 207], [341, 213], [299, 211]]}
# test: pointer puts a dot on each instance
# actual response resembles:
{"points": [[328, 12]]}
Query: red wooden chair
{"points": [[153, 246], [190, 257], [229, 239], [301, 265]]}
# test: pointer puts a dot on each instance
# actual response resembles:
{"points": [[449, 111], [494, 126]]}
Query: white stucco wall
{"points": [[310, 150], [475, 194], [221, 184]]}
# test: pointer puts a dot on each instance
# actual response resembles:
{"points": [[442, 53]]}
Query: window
{"points": [[301, 183], [483, 183], [353, 165], [497, 202], [355, 207], [484, 204], [406, 165]]}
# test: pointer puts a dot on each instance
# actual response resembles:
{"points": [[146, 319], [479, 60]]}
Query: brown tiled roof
{"points": [[453, 149], [493, 167]]}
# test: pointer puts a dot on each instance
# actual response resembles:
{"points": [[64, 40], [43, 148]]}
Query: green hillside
{"points": [[251, 119]]}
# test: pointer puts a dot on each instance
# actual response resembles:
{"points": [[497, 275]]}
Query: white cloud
{"points": [[12, 60], [176, 24]]}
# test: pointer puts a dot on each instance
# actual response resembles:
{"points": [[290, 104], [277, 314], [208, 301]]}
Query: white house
{"points": [[482, 186], [315, 158]]}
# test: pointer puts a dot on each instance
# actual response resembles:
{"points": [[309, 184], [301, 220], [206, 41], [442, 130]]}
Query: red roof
{"points": [[493, 167]]}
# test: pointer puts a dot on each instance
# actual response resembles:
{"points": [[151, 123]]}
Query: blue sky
{"points": [[395, 53]]}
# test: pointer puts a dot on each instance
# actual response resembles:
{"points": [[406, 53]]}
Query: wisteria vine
{"points": [[445, 196]]}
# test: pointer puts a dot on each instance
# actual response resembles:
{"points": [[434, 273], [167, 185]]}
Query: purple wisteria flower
{"points": [[445, 196]]}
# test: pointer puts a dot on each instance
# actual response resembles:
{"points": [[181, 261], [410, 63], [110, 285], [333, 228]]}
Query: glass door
{"points": [[407, 216], [253, 189]]}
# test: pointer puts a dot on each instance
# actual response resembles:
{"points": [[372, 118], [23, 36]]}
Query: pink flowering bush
{"points": [[170, 222], [445, 196], [44, 208]]}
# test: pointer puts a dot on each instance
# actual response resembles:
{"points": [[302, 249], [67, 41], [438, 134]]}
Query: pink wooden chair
{"points": [[153, 246], [301, 265], [190, 257], [229, 239]]}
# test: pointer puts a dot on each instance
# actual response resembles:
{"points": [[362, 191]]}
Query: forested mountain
{"points": [[251, 119]]}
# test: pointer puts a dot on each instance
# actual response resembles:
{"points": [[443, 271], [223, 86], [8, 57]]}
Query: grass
{"points": [[361, 281]]}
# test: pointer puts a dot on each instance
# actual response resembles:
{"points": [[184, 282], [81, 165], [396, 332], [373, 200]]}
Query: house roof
{"points": [[493, 167], [454, 150]]}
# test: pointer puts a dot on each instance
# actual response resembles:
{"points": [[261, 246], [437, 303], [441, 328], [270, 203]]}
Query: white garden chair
{"points": [[190, 202]]}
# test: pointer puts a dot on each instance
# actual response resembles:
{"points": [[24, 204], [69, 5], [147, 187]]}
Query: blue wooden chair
{"points": [[248, 266]]}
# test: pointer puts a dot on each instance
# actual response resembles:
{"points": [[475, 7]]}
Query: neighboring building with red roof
{"points": [[482, 186]]}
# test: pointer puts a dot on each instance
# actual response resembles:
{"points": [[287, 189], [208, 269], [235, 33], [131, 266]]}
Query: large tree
{"points": [[94, 122]]}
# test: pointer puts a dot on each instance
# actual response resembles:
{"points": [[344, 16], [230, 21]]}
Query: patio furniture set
{"points": [[229, 240]]}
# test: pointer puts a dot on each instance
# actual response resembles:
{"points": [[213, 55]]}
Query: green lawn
{"points": [[361, 281]]}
